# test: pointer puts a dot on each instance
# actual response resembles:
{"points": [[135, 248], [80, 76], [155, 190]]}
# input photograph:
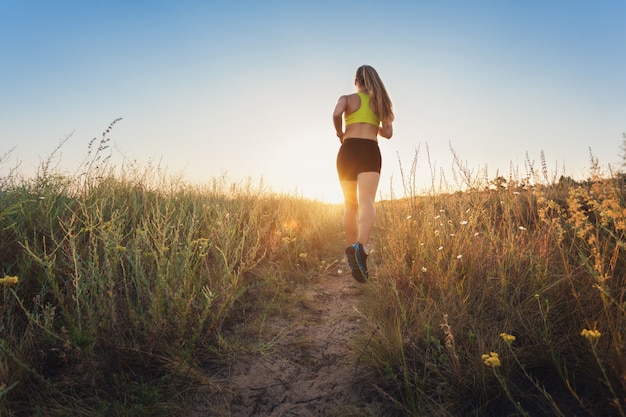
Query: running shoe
{"points": [[357, 259], [361, 258]]}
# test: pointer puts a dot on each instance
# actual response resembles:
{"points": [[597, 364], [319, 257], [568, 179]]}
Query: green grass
{"points": [[126, 280]]}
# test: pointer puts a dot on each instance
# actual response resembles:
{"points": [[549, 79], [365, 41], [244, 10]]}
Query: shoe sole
{"points": [[354, 264]]}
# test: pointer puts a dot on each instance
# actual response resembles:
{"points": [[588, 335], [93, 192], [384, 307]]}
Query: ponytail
{"points": [[367, 77]]}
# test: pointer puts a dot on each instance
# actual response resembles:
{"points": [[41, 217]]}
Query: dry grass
{"points": [[534, 274], [487, 302]]}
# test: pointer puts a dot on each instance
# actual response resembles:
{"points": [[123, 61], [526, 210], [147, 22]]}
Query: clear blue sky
{"points": [[247, 88]]}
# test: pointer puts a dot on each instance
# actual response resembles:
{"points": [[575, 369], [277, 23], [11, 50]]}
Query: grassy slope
{"points": [[126, 281]]}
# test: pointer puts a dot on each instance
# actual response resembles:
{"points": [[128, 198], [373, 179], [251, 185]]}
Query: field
{"points": [[130, 293]]}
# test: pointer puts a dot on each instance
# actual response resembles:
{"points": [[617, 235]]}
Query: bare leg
{"points": [[360, 211], [358, 220], [367, 184], [351, 211]]}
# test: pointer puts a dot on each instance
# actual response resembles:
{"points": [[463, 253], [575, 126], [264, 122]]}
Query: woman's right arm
{"points": [[340, 108], [386, 130]]}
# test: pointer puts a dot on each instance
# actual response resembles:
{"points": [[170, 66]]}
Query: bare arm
{"points": [[340, 108], [386, 130]]}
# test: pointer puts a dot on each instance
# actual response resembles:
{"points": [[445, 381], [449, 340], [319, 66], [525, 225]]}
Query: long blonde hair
{"points": [[367, 77]]}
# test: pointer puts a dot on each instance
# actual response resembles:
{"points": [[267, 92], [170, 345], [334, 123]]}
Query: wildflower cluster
{"points": [[580, 203], [609, 205], [551, 213], [202, 244], [508, 338], [591, 335], [601, 204], [492, 359], [8, 280]]}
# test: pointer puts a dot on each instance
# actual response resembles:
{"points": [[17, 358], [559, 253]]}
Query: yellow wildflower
{"points": [[492, 359], [7, 280], [591, 335], [303, 255], [509, 338], [203, 241]]}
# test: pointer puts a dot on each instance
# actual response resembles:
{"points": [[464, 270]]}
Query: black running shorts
{"points": [[356, 156]]}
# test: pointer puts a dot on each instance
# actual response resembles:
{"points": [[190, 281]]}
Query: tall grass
{"points": [[118, 283], [505, 299]]}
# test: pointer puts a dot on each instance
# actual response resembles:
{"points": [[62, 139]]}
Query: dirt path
{"points": [[309, 364]]}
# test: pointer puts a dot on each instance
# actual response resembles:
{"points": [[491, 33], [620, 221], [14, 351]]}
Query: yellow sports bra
{"points": [[364, 114]]}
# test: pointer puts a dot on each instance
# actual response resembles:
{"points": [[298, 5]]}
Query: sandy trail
{"points": [[309, 366]]}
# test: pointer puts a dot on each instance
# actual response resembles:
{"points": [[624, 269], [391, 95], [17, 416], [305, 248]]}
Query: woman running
{"points": [[367, 114]]}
